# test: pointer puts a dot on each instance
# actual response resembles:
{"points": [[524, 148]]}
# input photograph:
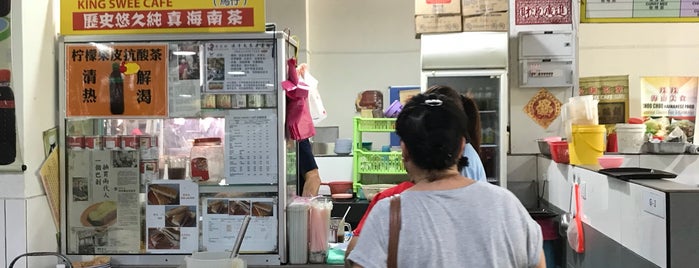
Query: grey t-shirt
{"points": [[480, 225]]}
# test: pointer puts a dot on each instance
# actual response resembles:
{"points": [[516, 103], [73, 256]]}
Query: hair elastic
{"points": [[433, 102]]}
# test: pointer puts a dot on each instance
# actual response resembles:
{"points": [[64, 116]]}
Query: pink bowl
{"points": [[610, 161]]}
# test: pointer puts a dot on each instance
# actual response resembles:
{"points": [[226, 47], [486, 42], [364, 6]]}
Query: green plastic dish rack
{"points": [[373, 162]]}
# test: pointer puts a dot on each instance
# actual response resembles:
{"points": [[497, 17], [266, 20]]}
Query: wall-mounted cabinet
{"points": [[546, 73], [547, 59]]}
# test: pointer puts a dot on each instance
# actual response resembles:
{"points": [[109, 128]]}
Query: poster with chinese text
{"points": [[668, 102], [116, 80], [613, 95], [104, 214], [240, 66]]}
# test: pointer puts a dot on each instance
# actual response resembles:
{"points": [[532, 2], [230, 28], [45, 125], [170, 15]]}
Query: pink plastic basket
{"points": [[559, 151]]}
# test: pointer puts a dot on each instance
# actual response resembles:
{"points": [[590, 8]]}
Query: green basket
{"points": [[369, 162], [374, 124]]}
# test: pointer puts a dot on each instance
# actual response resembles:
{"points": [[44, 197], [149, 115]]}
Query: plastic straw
{"points": [[347, 211]]}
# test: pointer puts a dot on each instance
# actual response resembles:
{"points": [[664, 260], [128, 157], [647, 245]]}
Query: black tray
{"points": [[628, 173]]}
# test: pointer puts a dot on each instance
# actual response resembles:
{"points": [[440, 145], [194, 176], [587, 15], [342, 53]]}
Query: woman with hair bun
{"points": [[448, 220]]}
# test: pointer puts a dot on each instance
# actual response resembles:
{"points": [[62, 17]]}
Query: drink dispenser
{"points": [[206, 160]]}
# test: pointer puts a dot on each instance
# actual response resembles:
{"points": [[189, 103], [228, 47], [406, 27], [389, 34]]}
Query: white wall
{"points": [[33, 75], [360, 45], [639, 49]]}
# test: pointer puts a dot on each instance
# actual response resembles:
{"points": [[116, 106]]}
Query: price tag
{"points": [[653, 203]]}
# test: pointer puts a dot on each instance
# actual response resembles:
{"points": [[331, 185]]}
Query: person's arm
{"points": [[542, 260], [312, 184]]}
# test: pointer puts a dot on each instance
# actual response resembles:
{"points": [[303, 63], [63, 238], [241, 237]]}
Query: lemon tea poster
{"points": [[116, 80], [669, 102]]}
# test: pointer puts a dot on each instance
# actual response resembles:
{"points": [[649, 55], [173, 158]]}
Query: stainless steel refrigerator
{"points": [[475, 64]]}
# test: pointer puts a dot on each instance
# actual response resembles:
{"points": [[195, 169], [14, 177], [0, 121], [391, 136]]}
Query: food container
{"points": [[111, 142], [559, 151], [370, 190], [666, 147], [609, 161], [207, 160], [339, 187], [224, 101], [544, 147], [75, 142], [129, 142], [256, 100], [93, 142]]}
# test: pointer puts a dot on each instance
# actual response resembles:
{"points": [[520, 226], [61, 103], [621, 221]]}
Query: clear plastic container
{"points": [[206, 160]]}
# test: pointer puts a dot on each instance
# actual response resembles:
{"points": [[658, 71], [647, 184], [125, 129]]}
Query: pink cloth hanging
{"points": [[298, 117]]}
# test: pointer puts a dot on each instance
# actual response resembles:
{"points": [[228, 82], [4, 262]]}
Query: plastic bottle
{"points": [[206, 160], [8, 127], [116, 90]]}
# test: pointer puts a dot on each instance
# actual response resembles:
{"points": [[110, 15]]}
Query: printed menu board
{"points": [[223, 218], [171, 216], [240, 65], [668, 102], [639, 11], [104, 214], [116, 80], [251, 146]]}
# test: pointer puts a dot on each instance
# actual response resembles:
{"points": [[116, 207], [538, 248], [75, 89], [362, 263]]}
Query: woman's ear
{"points": [[404, 152]]}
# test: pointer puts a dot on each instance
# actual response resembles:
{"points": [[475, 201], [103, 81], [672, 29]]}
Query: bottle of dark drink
{"points": [[116, 90], [8, 128]]}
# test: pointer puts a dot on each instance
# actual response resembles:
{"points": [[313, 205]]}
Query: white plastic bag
{"points": [[315, 103]]}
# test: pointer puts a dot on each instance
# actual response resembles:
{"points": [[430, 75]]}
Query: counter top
{"points": [[667, 186]]}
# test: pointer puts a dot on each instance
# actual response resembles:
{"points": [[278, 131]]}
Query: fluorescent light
{"points": [[237, 73], [183, 53], [185, 95], [269, 85]]}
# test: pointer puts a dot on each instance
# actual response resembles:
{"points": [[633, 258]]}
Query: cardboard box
{"points": [[480, 7], [488, 22], [437, 23], [433, 7]]}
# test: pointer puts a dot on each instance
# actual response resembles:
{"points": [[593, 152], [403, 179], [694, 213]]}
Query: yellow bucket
{"points": [[587, 145]]}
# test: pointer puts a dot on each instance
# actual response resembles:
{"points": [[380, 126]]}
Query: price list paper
{"points": [[639, 11], [240, 66], [224, 216], [171, 216], [251, 146]]}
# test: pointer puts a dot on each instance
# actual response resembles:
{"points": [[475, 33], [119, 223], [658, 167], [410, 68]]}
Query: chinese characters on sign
{"points": [[543, 12], [162, 19], [107, 80], [669, 102], [613, 95], [161, 16]]}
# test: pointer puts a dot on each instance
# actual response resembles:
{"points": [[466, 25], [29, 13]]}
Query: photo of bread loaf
{"points": [[163, 238], [99, 214], [163, 194], [180, 216], [239, 207], [262, 209], [217, 206]]}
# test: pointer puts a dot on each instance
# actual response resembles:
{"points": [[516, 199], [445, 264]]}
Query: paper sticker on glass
{"points": [[236, 66]]}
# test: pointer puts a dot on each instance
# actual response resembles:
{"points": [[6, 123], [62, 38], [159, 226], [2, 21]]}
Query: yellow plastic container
{"points": [[587, 144]]}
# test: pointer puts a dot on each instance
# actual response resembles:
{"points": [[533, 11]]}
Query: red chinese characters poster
{"points": [[116, 80], [543, 12]]}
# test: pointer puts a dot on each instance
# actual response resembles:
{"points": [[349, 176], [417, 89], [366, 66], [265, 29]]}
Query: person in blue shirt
{"points": [[470, 163]]}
